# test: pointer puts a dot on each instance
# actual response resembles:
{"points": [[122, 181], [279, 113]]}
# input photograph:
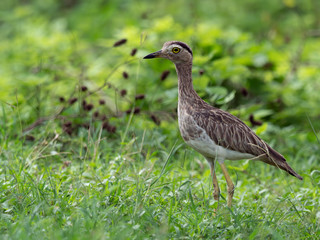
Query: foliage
{"points": [[89, 144]]}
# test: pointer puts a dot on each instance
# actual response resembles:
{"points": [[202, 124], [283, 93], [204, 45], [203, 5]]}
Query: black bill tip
{"points": [[153, 55]]}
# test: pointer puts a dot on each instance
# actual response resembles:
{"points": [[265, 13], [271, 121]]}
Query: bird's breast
{"points": [[188, 128]]}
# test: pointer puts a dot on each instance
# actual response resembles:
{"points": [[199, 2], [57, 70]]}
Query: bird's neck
{"points": [[185, 86]]}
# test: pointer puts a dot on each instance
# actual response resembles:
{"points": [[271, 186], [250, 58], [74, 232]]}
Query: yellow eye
{"points": [[175, 50]]}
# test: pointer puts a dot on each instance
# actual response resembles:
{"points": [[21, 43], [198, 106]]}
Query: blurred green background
{"points": [[86, 125], [267, 49]]}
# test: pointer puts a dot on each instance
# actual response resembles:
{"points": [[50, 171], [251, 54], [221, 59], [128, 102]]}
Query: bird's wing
{"points": [[230, 132]]}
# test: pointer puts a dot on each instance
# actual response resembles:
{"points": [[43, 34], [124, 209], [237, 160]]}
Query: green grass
{"points": [[121, 170], [59, 187]]}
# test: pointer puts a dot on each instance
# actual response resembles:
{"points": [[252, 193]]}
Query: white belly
{"points": [[209, 148]]}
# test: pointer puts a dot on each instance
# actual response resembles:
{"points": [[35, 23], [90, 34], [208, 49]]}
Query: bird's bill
{"points": [[153, 55]]}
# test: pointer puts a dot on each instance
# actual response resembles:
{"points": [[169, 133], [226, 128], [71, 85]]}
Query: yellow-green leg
{"points": [[216, 189], [230, 185]]}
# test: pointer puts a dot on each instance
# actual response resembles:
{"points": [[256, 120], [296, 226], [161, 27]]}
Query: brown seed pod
{"points": [[123, 92], [73, 100], [253, 121], [84, 104], [84, 88], [103, 118], [155, 119], [135, 110], [164, 75], [244, 92], [68, 131], [30, 138], [105, 124], [268, 66], [139, 96], [133, 52], [62, 99], [102, 101], [111, 129], [67, 124], [201, 72], [120, 42], [89, 107], [125, 75], [96, 114]]}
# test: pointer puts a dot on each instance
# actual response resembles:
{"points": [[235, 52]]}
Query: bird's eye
{"points": [[175, 50]]}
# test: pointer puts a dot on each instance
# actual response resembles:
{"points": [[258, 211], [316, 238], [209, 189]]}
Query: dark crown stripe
{"points": [[185, 46]]}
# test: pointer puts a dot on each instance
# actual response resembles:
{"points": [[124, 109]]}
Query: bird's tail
{"points": [[276, 159]]}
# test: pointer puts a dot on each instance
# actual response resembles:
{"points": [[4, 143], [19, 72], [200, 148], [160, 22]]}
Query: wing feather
{"points": [[230, 132]]}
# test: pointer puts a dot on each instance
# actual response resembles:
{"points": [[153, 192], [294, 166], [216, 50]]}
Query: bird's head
{"points": [[177, 52]]}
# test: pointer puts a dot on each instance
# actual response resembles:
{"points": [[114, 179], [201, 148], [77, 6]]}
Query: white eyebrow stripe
{"points": [[175, 45]]}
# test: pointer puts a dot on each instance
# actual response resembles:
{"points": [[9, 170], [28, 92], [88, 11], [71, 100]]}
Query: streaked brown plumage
{"points": [[214, 133]]}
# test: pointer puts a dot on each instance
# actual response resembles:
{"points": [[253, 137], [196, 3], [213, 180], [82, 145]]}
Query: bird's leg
{"points": [[229, 184], [216, 189]]}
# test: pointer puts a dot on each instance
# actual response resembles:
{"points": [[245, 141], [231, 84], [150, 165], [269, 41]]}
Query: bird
{"points": [[214, 133]]}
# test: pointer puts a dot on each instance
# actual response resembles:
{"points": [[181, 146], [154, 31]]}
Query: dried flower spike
{"points": [[164, 75], [103, 118], [155, 119], [96, 114], [108, 127], [133, 52], [111, 129], [244, 92], [73, 100], [136, 110], [68, 131], [84, 104], [30, 138], [125, 75], [123, 92], [254, 122], [139, 96], [120, 42], [105, 125], [84, 88], [67, 124], [89, 107]]}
